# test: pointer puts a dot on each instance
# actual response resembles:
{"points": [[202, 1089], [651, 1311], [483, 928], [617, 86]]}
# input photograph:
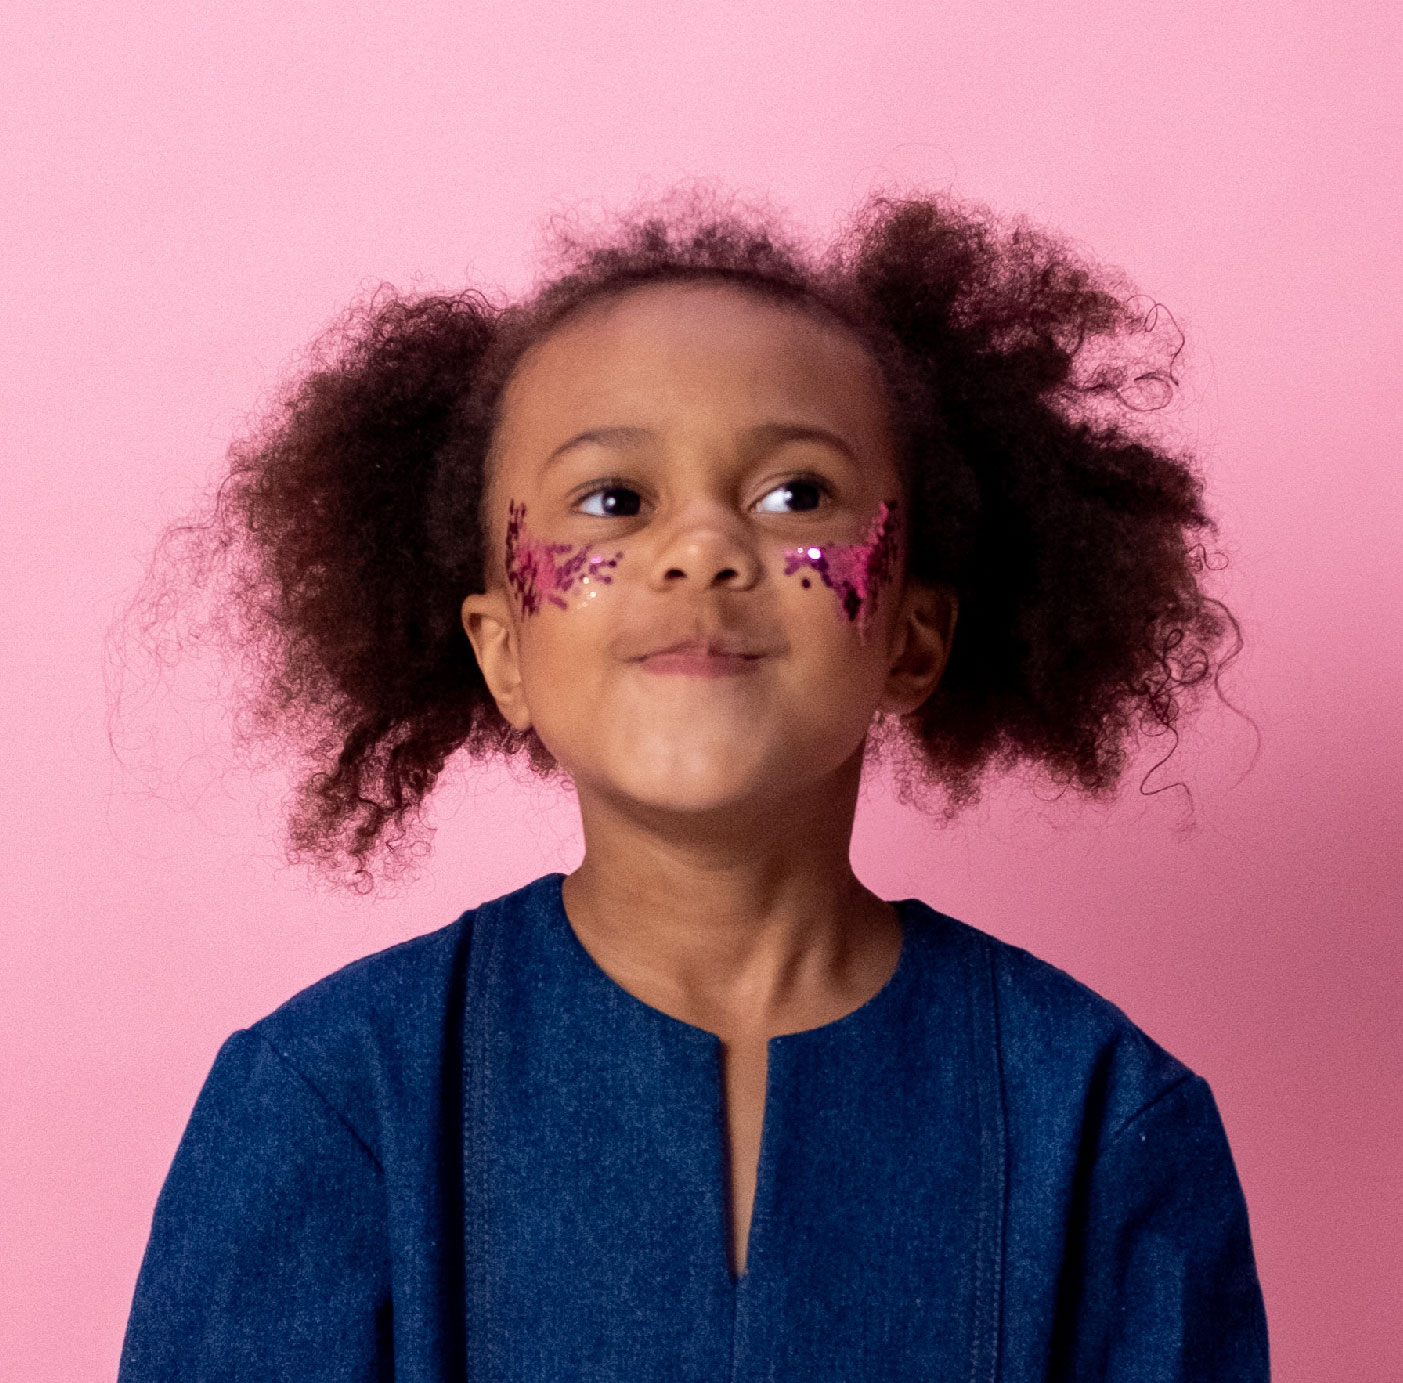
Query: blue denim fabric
{"points": [[476, 1156]]}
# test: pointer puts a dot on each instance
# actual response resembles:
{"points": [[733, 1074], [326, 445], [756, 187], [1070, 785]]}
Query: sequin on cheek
{"points": [[854, 572], [538, 571]]}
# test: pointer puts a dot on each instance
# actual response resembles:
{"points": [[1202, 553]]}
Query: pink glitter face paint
{"points": [[854, 572], [538, 571]]}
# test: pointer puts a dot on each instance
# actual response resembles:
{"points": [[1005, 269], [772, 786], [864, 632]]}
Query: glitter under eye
{"points": [[538, 570], [854, 572]]}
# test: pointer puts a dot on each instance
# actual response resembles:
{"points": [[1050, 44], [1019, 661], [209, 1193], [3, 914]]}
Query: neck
{"points": [[755, 924]]}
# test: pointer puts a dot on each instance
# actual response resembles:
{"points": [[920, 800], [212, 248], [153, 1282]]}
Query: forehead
{"points": [[679, 355]]}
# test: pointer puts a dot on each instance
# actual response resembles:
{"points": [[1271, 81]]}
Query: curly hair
{"points": [[349, 527]]}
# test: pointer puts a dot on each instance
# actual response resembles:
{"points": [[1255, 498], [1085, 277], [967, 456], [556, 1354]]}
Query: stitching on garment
{"points": [[1145, 1109], [737, 1291], [979, 1234], [994, 1167], [485, 954], [286, 1061]]}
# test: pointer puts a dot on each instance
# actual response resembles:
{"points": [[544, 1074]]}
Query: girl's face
{"points": [[697, 596]]}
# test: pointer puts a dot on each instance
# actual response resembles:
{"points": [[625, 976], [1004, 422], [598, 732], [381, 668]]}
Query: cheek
{"points": [[856, 573], [559, 574]]}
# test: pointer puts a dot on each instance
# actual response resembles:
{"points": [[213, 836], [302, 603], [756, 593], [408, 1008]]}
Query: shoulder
{"points": [[377, 1040], [1068, 1055], [391, 995]]}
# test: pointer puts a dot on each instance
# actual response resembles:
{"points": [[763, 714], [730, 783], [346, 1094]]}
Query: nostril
{"points": [[726, 576]]}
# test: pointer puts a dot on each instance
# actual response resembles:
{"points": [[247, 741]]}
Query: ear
{"points": [[920, 646], [491, 629]]}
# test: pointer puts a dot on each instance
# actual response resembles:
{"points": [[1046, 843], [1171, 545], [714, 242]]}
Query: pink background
{"points": [[191, 191]]}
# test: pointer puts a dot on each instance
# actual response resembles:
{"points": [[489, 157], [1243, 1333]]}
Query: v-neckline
{"points": [[849, 1025], [869, 1010]]}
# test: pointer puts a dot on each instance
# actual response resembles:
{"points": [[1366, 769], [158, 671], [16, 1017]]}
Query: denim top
{"points": [[475, 1155]]}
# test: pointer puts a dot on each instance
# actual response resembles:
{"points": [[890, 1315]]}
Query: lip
{"points": [[701, 658]]}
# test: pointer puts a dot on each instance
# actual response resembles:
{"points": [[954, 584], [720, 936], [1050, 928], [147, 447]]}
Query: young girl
{"points": [[698, 525]]}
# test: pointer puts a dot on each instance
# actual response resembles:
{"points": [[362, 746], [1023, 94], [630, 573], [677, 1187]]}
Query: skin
{"points": [[717, 783]]}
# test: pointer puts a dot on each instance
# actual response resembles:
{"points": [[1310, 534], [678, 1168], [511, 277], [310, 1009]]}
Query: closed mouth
{"points": [[701, 658]]}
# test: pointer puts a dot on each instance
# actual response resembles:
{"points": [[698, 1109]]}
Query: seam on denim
{"points": [[1146, 1108], [988, 1278], [311, 1085], [977, 1325], [477, 983], [1000, 1095]]}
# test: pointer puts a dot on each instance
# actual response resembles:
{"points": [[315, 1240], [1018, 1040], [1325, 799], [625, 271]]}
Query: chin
{"points": [[728, 790], [686, 781], [699, 770], [693, 794]]}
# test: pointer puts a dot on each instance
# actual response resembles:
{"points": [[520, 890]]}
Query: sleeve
{"points": [[267, 1257], [1168, 1289]]}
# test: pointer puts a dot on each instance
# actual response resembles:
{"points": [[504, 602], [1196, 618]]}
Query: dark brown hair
{"points": [[349, 526]]}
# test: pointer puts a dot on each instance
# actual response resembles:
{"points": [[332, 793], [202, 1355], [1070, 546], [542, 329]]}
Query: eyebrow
{"points": [[601, 436], [763, 438]]}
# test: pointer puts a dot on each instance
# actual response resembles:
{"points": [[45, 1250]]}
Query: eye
{"points": [[611, 502], [793, 497]]}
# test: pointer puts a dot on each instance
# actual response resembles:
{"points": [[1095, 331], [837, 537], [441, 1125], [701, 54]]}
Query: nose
{"points": [[707, 547]]}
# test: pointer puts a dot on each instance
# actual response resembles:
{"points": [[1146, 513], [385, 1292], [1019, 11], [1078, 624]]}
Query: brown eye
{"points": [[793, 497], [612, 502]]}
